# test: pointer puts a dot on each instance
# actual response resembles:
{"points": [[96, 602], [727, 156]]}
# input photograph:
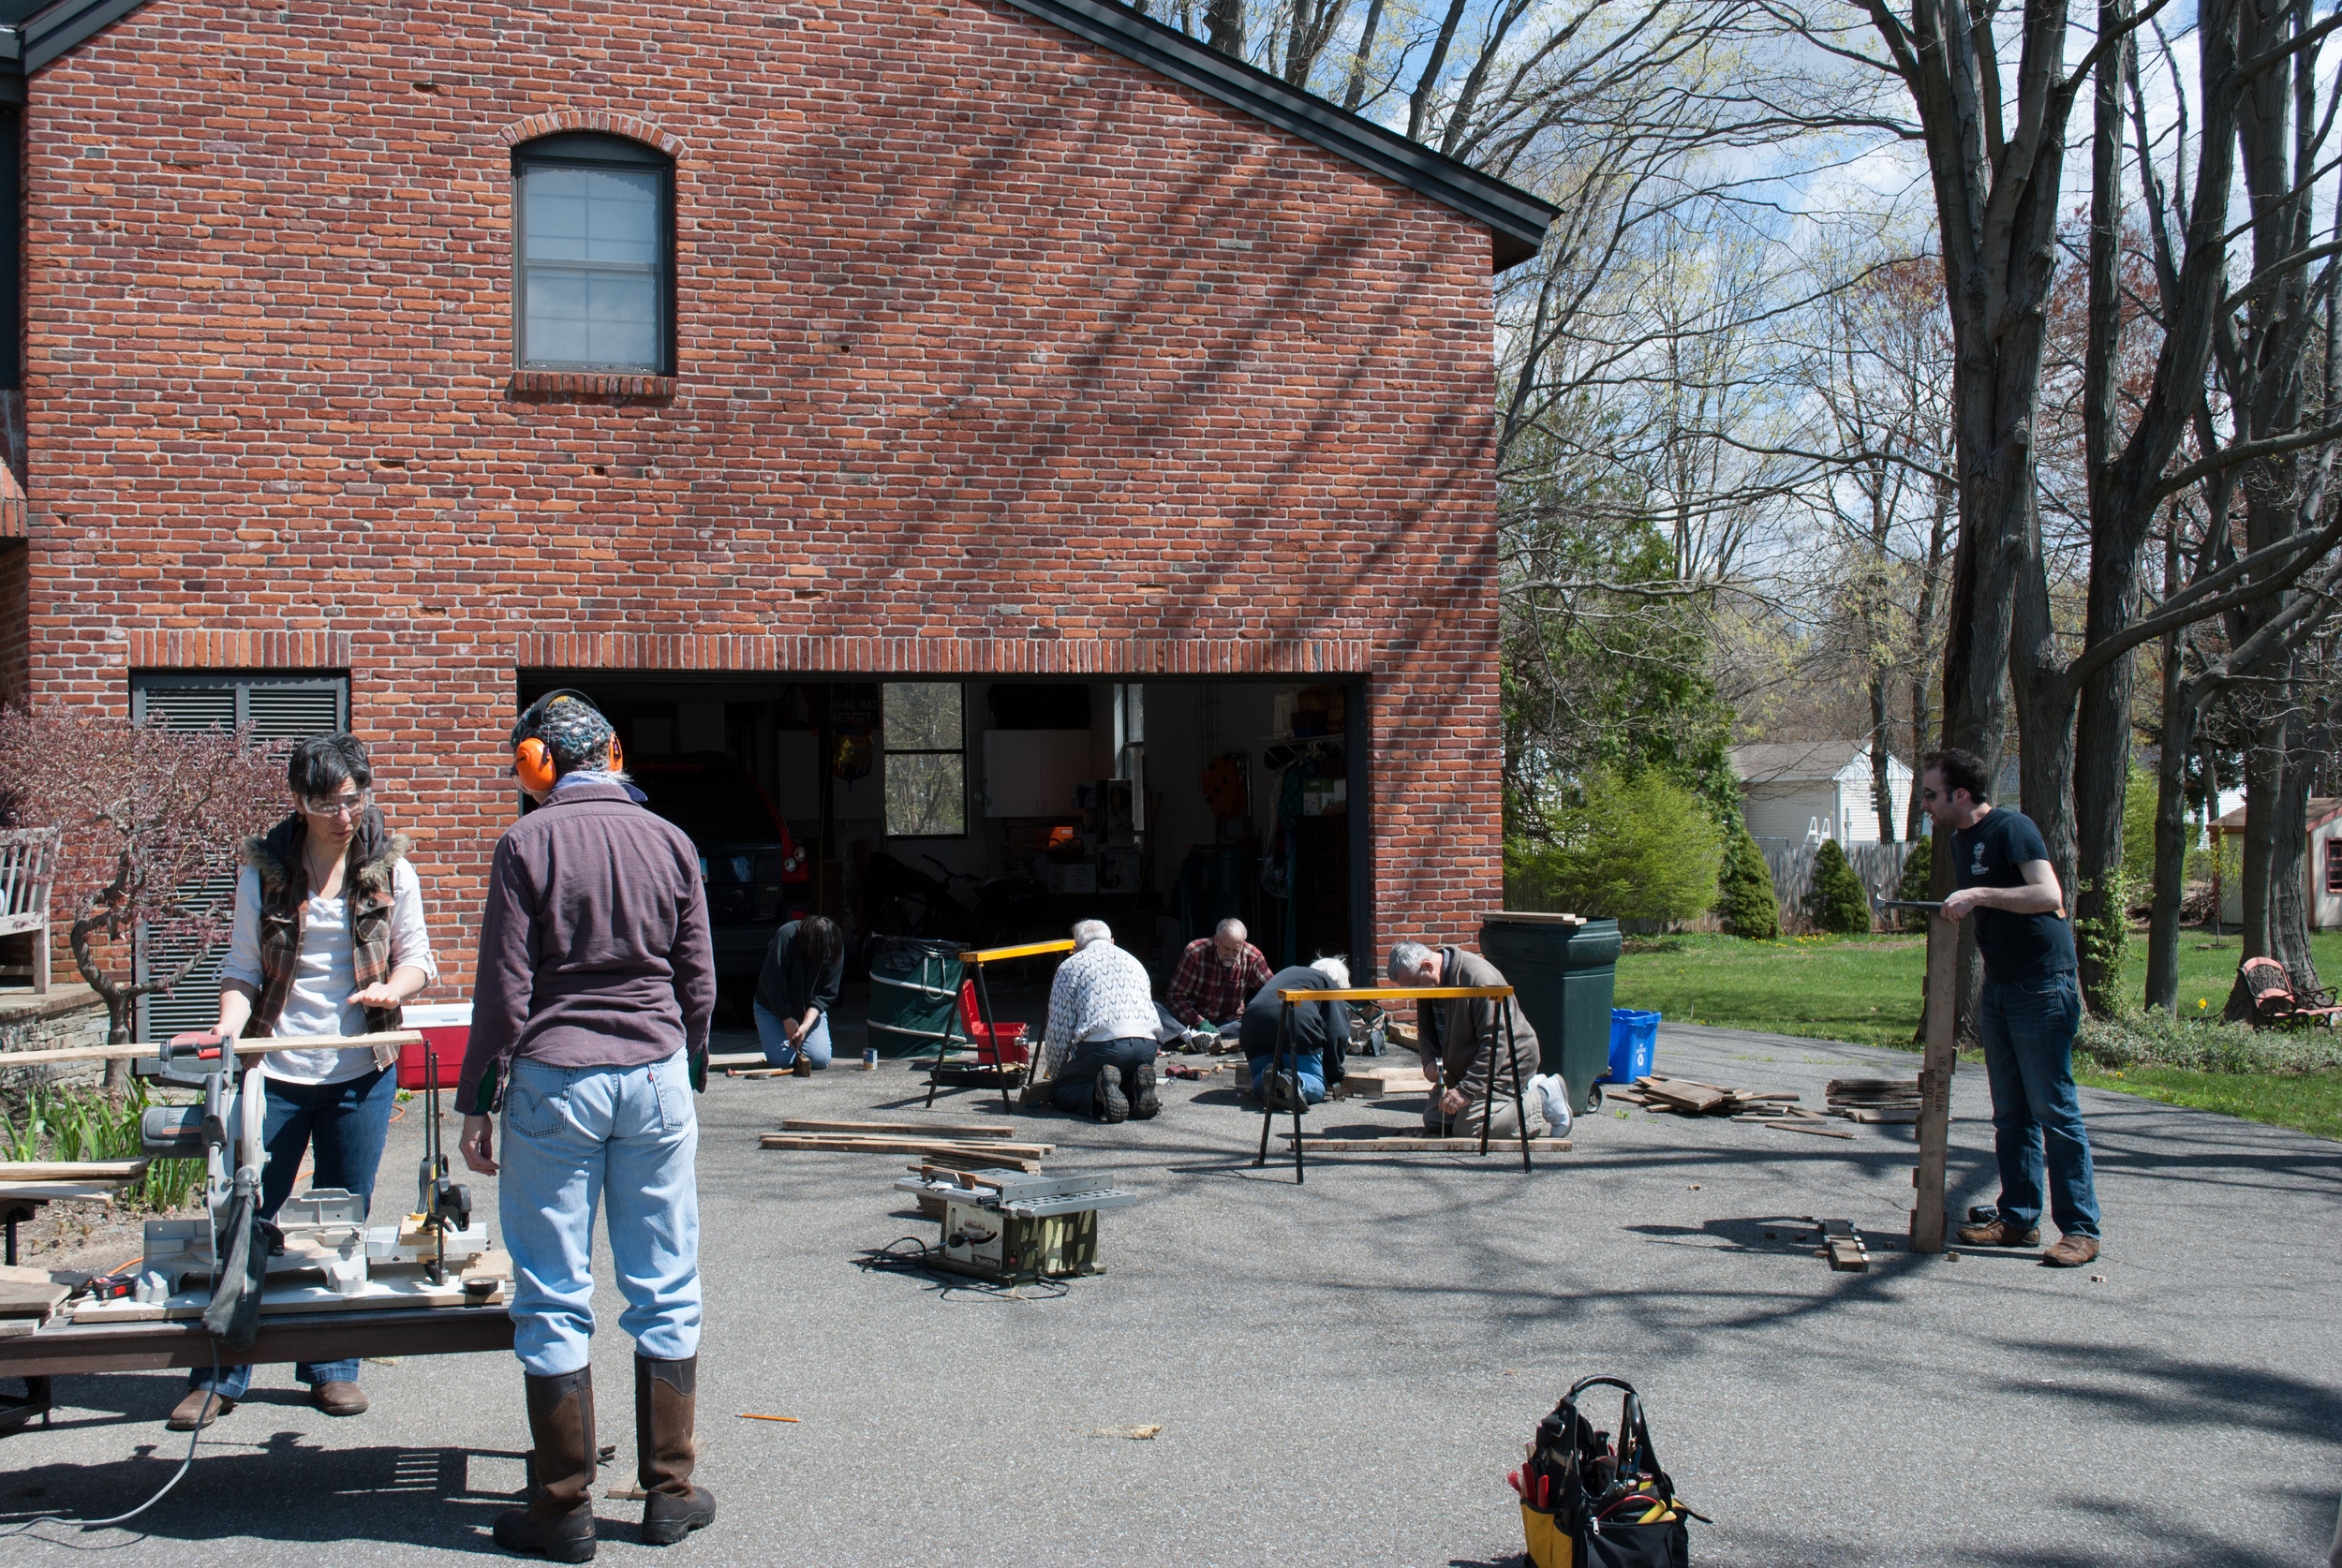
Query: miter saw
{"points": [[324, 1230]]}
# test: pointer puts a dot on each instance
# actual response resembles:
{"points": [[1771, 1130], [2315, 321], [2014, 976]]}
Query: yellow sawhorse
{"points": [[1389, 993], [999, 1074]]}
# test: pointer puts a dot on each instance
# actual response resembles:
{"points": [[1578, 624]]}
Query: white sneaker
{"points": [[1555, 1095]]}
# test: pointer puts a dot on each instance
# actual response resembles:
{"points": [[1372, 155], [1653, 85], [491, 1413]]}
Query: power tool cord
{"points": [[194, 1437], [886, 1260]]}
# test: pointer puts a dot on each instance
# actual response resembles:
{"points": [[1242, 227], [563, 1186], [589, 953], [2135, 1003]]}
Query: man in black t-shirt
{"points": [[2031, 1006]]}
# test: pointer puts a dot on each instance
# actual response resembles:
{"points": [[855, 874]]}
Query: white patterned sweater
{"points": [[1100, 993]]}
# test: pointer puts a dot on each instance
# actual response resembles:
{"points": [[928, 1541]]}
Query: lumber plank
{"points": [[389, 1039], [956, 1131], [1427, 1146], [71, 1170], [1890, 1118], [1816, 1128], [840, 1143], [18, 1300], [980, 1159], [60, 1191]]}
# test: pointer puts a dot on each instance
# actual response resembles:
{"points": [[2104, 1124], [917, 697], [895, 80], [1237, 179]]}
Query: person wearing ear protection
{"points": [[590, 1013]]}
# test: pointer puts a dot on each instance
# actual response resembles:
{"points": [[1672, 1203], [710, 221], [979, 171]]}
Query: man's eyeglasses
{"points": [[337, 806]]}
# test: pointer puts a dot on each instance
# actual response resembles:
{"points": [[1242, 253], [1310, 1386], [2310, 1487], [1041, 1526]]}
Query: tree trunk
{"points": [[2170, 836], [2289, 853], [1363, 59], [1882, 779], [2264, 779]]}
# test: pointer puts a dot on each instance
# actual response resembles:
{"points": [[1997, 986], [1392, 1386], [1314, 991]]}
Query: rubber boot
{"points": [[558, 1522], [666, 1407]]}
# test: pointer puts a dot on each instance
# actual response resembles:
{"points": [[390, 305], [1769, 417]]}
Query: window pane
{"points": [[925, 794], [923, 715], [598, 318], [591, 214]]}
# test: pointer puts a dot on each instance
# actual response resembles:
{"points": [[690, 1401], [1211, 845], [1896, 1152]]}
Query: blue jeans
{"points": [[574, 1138], [1307, 1066], [2028, 1031], [776, 1047], [345, 1124], [1076, 1082]]}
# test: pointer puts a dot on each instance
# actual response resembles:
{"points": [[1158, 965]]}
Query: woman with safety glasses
{"points": [[327, 940]]}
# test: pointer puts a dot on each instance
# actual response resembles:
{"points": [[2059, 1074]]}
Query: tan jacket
{"points": [[1471, 1030]]}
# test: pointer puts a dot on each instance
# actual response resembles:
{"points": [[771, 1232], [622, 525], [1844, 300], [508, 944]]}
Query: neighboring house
{"points": [[745, 366], [2321, 866], [1799, 791]]}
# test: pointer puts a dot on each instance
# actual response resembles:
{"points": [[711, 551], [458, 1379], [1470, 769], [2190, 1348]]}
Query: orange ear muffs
{"points": [[532, 764], [618, 754]]}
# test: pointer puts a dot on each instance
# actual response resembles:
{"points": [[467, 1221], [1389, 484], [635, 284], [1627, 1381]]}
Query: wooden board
{"points": [[955, 1131], [1354, 1087], [19, 1299], [734, 1059], [1427, 1146], [1815, 1127], [60, 1191], [71, 1170], [390, 1040], [383, 1293], [842, 1144], [1889, 1118]]}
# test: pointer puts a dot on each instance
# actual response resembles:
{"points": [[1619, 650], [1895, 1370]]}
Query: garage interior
{"points": [[995, 811]]}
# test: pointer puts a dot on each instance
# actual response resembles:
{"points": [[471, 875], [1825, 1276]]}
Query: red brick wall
{"points": [[996, 352]]}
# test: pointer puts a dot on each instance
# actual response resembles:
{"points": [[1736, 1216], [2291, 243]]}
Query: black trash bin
{"points": [[1564, 968]]}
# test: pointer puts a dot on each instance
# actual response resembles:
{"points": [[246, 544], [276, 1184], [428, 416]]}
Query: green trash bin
{"points": [[915, 986], [1564, 969]]}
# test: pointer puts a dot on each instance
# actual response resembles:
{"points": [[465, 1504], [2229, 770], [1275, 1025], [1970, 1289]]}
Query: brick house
{"points": [[767, 372]]}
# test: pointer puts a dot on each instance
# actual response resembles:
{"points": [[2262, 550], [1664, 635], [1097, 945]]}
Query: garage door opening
{"points": [[995, 811]]}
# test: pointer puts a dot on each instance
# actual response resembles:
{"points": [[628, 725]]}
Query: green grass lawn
{"points": [[1866, 990]]}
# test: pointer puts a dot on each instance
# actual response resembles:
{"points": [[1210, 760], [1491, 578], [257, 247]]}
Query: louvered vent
{"points": [[278, 709]]}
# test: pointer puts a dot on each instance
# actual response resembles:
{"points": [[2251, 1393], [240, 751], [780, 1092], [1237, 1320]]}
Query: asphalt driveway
{"points": [[1342, 1373]]}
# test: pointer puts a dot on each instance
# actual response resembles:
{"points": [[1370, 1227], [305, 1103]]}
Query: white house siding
{"points": [[1785, 810], [2325, 907]]}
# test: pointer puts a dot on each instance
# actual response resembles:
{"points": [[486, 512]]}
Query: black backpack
{"points": [[1587, 1503]]}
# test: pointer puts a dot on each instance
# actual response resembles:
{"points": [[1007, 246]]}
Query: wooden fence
{"points": [[1879, 866]]}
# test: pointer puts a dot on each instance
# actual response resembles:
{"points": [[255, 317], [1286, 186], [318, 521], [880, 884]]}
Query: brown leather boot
{"points": [[2000, 1232], [666, 1406], [558, 1522]]}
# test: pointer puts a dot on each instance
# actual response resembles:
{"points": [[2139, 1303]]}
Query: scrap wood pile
{"points": [[1772, 1108], [1875, 1100], [964, 1146]]}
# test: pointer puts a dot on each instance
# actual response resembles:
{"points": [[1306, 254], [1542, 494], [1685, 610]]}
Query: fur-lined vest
{"points": [[276, 858]]}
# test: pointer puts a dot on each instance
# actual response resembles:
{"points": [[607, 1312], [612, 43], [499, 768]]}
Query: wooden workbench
{"points": [[63, 1346]]}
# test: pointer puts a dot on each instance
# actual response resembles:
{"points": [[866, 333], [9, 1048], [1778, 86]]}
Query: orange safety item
{"points": [[532, 759], [1000, 1042]]}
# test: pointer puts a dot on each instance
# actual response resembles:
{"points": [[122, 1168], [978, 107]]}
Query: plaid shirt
{"points": [[1204, 990]]}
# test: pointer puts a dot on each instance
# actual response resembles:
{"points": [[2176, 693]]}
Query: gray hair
{"points": [[1230, 927], [1335, 970], [1405, 958], [1088, 931]]}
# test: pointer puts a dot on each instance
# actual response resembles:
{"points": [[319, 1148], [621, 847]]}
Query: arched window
{"points": [[593, 255]]}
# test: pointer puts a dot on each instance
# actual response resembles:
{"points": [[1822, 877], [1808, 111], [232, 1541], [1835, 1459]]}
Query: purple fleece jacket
{"points": [[593, 949]]}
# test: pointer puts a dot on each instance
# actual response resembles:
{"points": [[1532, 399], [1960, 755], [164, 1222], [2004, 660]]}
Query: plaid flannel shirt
{"points": [[1205, 990]]}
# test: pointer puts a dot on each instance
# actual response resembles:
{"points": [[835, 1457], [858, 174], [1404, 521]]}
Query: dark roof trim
{"points": [[1517, 220], [51, 31]]}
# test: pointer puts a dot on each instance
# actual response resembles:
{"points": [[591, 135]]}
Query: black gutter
{"points": [[1517, 220]]}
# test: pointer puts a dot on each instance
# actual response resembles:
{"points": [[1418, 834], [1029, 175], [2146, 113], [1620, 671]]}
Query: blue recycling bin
{"points": [[1633, 1041]]}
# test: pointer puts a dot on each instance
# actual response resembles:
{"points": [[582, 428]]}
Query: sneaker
{"points": [[1554, 1093], [2072, 1251], [1282, 1092], [1106, 1099], [2001, 1233], [1141, 1090], [191, 1414]]}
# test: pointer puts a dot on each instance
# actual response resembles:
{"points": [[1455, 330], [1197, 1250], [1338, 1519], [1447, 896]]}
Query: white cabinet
{"points": [[1031, 772]]}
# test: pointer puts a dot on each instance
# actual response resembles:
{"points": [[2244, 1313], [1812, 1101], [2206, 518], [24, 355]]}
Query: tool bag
{"points": [[1587, 1503]]}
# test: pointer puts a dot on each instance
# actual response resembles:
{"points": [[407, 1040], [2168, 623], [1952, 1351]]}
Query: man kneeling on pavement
{"points": [[1459, 1039], [1314, 1041], [1099, 1052]]}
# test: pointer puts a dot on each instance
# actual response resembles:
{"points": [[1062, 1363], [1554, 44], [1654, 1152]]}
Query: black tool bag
{"points": [[1588, 1503]]}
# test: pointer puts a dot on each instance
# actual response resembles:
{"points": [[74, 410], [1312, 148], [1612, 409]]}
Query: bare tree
{"points": [[151, 819]]}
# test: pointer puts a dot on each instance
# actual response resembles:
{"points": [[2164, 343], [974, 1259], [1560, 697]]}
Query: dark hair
{"points": [[321, 764], [1961, 770], [820, 941]]}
